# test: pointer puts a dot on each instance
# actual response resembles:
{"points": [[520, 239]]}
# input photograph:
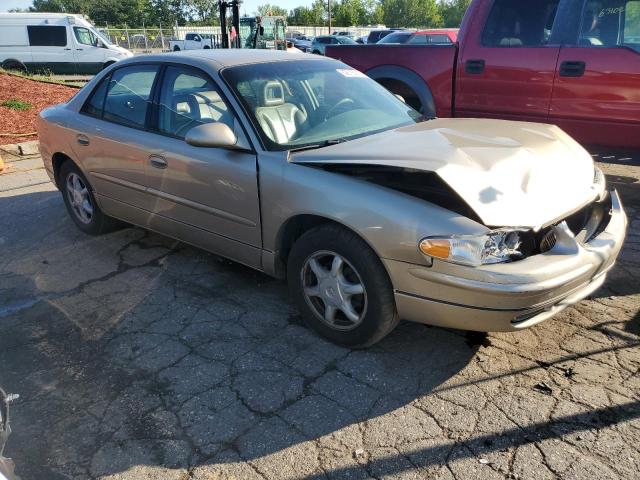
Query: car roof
{"points": [[222, 58]]}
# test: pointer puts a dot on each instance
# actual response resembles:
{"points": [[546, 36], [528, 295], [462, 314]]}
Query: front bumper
{"points": [[509, 296]]}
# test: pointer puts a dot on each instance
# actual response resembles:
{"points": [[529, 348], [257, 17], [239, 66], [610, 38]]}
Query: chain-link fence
{"points": [[156, 39]]}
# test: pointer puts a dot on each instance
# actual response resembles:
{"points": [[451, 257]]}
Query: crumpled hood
{"points": [[512, 174]]}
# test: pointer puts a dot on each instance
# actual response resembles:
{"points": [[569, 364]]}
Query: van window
{"points": [[47, 36], [128, 96], [439, 39], [85, 36], [514, 23], [610, 23]]}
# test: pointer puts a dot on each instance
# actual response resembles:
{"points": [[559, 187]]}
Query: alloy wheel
{"points": [[79, 198], [334, 290]]}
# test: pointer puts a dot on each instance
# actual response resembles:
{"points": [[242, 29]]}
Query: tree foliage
{"points": [[344, 13]]}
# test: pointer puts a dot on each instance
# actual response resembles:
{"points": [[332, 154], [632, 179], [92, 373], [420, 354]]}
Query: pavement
{"points": [[138, 357]]}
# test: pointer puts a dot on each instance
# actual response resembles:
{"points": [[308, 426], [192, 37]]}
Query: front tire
{"points": [[176, 48], [341, 287], [81, 203]]}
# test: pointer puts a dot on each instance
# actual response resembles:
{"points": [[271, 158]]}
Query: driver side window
{"points": [[189, 98], [84, 36]]}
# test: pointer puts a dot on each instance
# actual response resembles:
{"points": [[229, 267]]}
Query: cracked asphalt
{"points": [[137, 357]]}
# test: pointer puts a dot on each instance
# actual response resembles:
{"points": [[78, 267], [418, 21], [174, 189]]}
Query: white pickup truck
{"points": [[192, 41]]}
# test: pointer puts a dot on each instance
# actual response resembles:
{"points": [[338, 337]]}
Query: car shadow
{"points": [[132, 349]]}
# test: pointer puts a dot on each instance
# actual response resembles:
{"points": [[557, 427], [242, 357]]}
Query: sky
{"points": [[249, 5]]}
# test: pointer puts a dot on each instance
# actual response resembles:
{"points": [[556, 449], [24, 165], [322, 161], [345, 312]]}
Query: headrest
{"points": [[511, 42], [183, 107], [272, 94]]}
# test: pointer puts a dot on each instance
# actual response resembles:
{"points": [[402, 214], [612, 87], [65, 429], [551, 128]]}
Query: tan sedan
{"points": [[304, 168]]}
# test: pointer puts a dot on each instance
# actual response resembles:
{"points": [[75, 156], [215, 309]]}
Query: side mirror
{"points": [[212, 135]]}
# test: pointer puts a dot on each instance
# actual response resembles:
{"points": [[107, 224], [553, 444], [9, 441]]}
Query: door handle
{"points": [[572, 69], [68, 49], [474, 67], [82, 140], [157, 162], [79, 49]]}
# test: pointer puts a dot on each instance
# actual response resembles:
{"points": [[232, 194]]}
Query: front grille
{"points": [[586, 224], [548, 241]]}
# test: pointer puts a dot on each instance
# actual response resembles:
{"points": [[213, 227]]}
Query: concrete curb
{"points": [[15, 152]]}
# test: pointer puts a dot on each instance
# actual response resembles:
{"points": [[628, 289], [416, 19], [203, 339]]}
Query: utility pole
{"points": [[329, 2]]}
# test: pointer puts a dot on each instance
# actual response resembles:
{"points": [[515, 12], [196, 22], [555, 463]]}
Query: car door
{"points": [[508, 61], [112, 142], [208, 194], [88, 55], [51, 48], [596, 95]]}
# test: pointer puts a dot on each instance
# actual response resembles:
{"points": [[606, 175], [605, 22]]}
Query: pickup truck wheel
{"points": [[341, 287], [176, 48], [81, 204], [206, 47]]}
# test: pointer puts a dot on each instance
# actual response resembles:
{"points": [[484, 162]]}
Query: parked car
{"points": [[302, 43], [345, 33], [293, 34], [304, 168], [192, 41], [362, 40], [319, 43], [376, 35], [573, 63], [55, 42]]}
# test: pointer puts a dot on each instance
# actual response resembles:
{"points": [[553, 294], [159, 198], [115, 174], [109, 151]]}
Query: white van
{"points": [[56, 42]]}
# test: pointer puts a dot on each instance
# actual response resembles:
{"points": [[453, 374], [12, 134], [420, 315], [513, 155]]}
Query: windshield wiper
{"points": [[313, 146]]}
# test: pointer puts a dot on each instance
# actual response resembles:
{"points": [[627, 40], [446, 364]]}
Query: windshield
{"points": [[305, 103], [102, 37], [398, 37], [346, 40]]}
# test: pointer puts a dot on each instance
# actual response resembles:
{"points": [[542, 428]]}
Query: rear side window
{"points": [[610, 23], [47, 36], [94, 105], [418, 40], [129, 95], [439, 39], [516, 23]]}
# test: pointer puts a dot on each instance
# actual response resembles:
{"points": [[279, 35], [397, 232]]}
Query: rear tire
{"points": [[81, 203], [176, 48], [341, 287], [14, 65]]}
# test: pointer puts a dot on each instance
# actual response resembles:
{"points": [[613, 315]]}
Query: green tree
{"points": [[349, 12], [452, 12], [411, 13], [271, 10]]}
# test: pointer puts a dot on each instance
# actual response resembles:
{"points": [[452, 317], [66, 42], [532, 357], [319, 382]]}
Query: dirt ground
{"points": [[39, 94], [137, 357]]}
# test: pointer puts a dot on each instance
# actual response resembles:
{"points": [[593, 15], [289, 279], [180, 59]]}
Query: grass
{"points": [[16, 104], [44, 76]]}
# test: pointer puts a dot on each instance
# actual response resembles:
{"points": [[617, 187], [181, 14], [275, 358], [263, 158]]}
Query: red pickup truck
{"points": [[574, 63]]}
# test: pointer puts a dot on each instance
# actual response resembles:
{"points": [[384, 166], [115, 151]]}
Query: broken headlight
{"points": [[496, 246]]}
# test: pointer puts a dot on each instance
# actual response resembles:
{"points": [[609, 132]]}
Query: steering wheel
{"points": [[342, 102]]}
